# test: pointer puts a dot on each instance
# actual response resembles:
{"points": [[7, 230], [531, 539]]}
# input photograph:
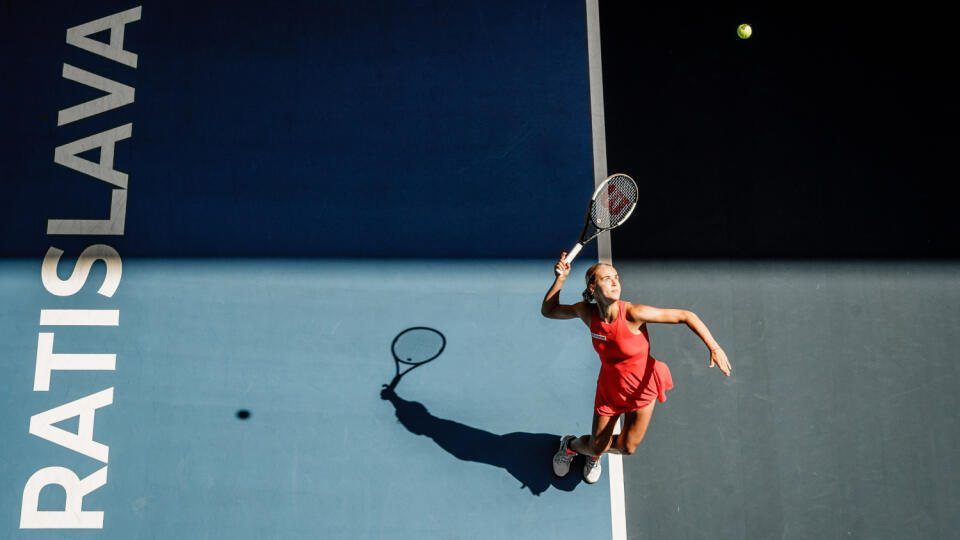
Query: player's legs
{"points": [[600, 440], [635, 425]]}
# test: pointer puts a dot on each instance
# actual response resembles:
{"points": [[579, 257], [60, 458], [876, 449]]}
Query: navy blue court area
{"points": [[237, 157]]}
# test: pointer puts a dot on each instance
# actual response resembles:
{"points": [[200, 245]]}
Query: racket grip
{"points": [[572, 254]]}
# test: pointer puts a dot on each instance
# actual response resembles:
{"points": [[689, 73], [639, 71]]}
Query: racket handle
{"points": [[572, 254]]}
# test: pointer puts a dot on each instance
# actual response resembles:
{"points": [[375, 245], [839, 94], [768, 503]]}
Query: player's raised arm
{"points": [[552, 308]]}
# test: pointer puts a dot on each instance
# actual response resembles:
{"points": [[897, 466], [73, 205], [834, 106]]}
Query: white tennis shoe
{"points": [[592, 470], [562, 460]]}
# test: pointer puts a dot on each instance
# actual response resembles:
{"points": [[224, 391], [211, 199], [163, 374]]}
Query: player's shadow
{"points": [[527, 456]]}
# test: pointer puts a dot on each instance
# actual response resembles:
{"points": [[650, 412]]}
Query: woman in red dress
{"points": [[630, 381]]}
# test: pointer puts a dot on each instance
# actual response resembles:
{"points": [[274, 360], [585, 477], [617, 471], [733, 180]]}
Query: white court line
{"points": [[618, 512], [618, 508], [79, 317], [598, 127]]}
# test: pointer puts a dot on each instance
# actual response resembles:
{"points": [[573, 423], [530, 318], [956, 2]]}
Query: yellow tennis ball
{"points": [[744, 31]]}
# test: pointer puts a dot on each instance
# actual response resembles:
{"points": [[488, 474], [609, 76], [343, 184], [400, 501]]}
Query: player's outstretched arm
{"points": [[674, 316]]}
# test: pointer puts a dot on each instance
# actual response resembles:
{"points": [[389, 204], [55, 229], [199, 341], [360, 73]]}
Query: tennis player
{"points": [[630, 380]]}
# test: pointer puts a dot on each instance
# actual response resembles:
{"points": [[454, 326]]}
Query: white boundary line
{"points": [[598, 128], [618, 507], [618, 512]]}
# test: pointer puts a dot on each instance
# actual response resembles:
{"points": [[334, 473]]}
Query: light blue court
{"points": [[304, 346]]}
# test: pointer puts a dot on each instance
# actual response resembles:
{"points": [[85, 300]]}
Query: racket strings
{"points": [[614, 203]]}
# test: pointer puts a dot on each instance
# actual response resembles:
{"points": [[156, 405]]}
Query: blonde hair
{"points": [[590, 277]]}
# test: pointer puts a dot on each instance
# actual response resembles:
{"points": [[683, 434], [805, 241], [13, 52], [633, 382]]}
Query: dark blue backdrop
{"points": [[395, 129]]}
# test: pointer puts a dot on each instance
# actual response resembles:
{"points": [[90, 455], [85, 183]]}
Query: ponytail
{"points": [[591, 274]]}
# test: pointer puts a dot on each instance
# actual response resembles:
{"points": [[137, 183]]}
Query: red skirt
{"points": [[621, 389]]}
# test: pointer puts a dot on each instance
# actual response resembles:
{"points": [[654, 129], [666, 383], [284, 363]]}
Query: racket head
{"points": [[613, 201], [417, 345]]}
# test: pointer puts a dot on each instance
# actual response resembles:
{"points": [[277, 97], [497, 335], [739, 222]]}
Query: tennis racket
{"points": [[413, 348], [611, 204]]}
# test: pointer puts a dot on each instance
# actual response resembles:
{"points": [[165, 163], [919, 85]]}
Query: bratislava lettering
{"points": [[111, 222]]}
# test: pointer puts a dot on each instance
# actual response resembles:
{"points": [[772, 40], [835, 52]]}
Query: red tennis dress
{"points": [[630, 378]]}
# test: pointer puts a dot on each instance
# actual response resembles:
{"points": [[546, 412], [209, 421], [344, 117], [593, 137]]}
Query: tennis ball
{"points": [[744, 31]]}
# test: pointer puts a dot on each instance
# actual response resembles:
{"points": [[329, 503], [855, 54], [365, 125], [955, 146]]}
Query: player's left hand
{"points": [[719, 358]]}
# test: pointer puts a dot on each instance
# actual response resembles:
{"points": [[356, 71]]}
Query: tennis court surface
{"points": [[298, 187], [305, 347], [817, 429]]}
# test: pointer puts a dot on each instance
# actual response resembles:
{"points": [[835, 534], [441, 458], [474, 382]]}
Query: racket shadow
{"points": [[526, 456]]}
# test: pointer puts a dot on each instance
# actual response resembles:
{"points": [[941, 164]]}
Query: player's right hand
{"points": [[562, 269]]}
